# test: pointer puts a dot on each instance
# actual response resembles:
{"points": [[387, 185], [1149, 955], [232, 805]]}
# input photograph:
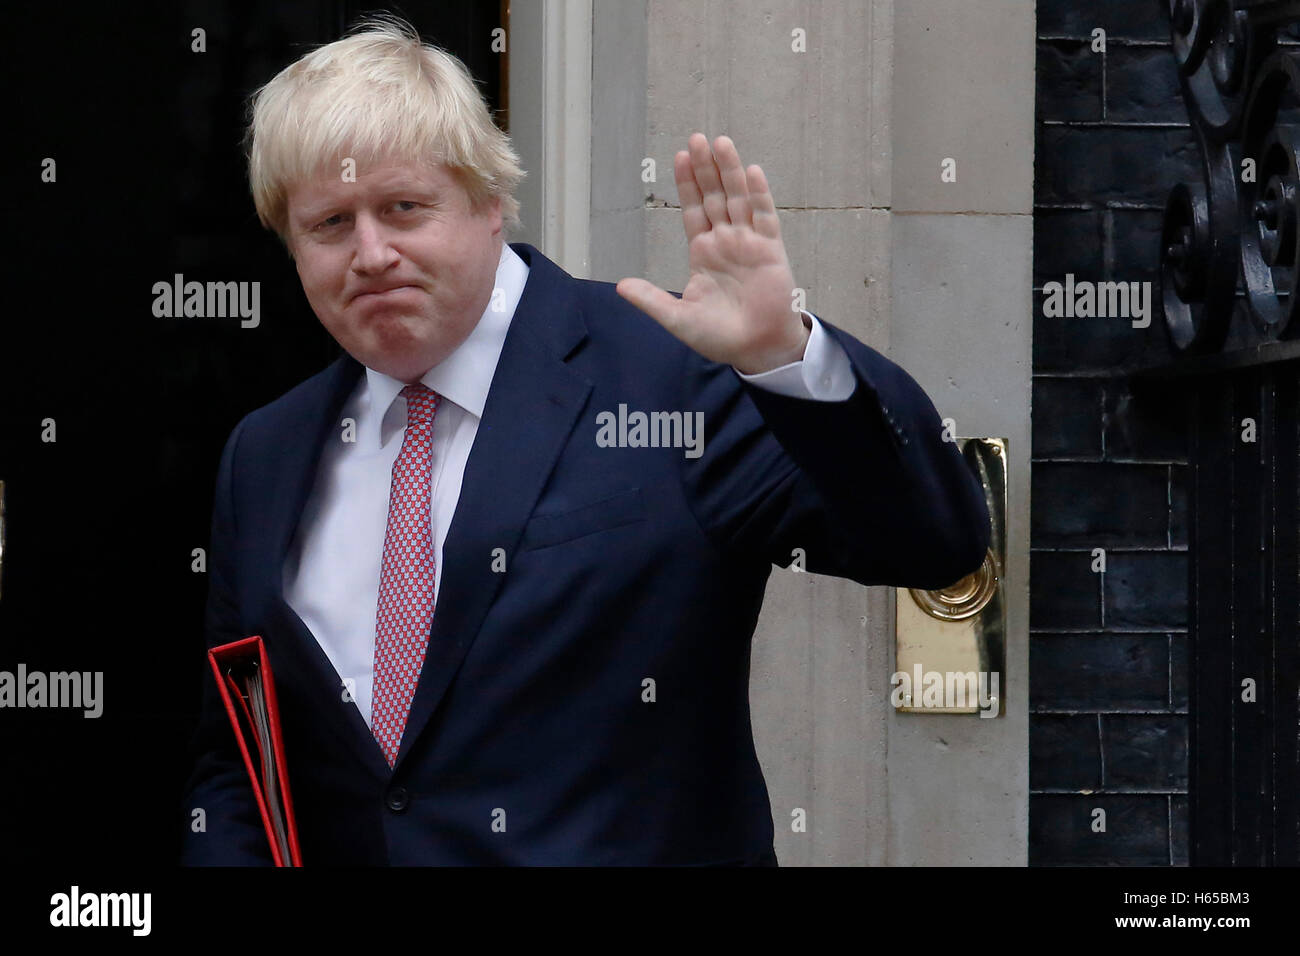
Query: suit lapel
{"points": [[531, 409], [532, 406], [314, 420]]}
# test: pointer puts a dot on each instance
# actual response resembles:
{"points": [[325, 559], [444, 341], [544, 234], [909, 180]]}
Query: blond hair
{"points": [[378, 94]]}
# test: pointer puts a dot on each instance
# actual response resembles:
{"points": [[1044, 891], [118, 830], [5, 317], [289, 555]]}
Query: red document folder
{"points": [[247, 688]]}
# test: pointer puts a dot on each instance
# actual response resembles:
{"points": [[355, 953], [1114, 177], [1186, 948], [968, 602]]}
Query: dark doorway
{"points": [[102, 523]]}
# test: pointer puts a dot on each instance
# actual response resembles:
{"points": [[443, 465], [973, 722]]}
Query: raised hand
{"points": [[736, 307]]}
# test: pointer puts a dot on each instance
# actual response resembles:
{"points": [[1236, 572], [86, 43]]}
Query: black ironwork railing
{"points": [[1242, 92], [1230, 292]]}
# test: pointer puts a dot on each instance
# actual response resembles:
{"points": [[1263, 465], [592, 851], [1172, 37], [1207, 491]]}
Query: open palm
{"points": [[736, 307]]}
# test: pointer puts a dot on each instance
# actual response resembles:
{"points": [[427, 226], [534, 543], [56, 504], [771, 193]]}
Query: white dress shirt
{"points": [[331, 573]]}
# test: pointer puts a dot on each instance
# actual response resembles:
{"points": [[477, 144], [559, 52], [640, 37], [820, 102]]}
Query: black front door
{"points": [[130, 173]]}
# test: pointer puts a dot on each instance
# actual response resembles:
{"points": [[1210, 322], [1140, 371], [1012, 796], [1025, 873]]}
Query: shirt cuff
{"points": [[824, 373]]}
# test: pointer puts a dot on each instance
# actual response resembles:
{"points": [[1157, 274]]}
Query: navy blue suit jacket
{"points": [[623, 565]]}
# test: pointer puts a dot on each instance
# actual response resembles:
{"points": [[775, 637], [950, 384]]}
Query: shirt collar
{"points": [[464, 376]]}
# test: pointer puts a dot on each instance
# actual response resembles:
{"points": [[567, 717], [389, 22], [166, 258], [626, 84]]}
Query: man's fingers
{"points": [[661, 306], [766, 222], [733, 181], [694, 218], [710, 183]]}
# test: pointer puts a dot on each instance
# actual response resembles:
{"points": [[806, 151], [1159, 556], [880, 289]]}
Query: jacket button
{"points": [[397, 799]]}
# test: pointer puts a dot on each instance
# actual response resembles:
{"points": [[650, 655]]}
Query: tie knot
{"points": [[421, 403]]}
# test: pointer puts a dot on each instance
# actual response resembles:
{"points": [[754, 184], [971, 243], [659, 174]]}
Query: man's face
{"points": [[396, 265]]}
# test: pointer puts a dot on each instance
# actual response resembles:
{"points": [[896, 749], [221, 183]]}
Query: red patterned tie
{"points": [[406, 581]]}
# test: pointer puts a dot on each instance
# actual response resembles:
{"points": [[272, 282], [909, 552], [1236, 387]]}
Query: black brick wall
{"points": [[1108, 651]]}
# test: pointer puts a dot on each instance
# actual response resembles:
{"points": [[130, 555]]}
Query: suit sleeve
{"points": [[219, 784], [865, 488]]}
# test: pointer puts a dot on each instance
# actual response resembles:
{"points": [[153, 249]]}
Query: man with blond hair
{"points": [[507, 552]]}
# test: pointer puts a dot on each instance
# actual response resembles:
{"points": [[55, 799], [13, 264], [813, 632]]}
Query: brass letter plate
{"points": [[950, 644]]}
